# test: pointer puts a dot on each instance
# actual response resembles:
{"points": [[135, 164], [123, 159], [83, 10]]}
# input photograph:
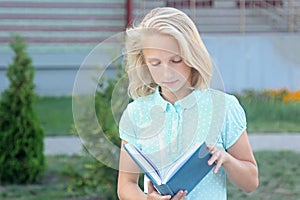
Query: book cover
{"points": [[184, 174]]}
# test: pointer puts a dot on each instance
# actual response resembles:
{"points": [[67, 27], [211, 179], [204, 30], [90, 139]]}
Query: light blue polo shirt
{"points": [[165, 131]]}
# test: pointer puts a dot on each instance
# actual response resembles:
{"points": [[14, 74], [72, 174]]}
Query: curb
{"points": [[69, 145]]}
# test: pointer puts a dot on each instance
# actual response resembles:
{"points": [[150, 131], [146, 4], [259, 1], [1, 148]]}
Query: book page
{"points": [[144, 162]]}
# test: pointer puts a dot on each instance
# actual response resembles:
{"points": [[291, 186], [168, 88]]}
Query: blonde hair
{"points": [[174, 23]]}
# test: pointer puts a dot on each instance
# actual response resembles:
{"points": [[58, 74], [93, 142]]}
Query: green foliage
{"points": [[100, 176], [21, 141], [279, 174], [97, 174], [266, 112], [95, 179], [266, 105]]}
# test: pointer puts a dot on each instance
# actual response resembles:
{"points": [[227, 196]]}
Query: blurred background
{"points": [[254, 44]]}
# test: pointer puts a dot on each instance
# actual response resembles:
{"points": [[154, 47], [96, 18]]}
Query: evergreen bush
{"points": [[97, 178], [21, 137]]}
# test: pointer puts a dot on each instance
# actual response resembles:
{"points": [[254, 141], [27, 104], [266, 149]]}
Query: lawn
{"points": [[273, 126], [279, 174], [55, 183], [55, 115]]}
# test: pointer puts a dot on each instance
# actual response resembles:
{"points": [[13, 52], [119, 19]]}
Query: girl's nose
{"points": [[167, 71]]}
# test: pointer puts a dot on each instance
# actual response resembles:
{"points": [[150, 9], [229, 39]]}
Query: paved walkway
{"points": [[71, 144]]}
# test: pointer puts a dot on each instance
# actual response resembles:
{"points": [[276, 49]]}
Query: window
{"points": [[188, 3], [261, 3]]}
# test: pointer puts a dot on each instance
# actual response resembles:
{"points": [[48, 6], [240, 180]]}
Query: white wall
{"points": [[257, 61]]}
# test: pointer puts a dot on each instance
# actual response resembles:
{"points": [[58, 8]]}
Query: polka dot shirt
{"points": [[165, 131]]}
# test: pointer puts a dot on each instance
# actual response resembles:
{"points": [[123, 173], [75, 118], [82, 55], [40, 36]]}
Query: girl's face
{"points": [[162, 56]]}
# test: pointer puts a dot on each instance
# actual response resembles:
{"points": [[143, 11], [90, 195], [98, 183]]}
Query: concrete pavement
{"points": [[275, 141], [69, 145], [62, 145]]}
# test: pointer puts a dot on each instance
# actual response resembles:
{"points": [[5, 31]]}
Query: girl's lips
{"points": [[170, 82]]}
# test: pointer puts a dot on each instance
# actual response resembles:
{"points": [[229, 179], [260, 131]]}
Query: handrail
{"points": [[291, 18], [249, 16], [93, 21]]}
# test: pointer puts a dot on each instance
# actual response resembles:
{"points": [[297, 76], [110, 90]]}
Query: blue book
{"points": [[184, 174]]}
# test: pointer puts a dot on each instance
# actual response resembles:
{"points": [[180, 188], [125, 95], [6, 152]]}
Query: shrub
{"points": [[271, 105], [21, 141], [97, 178]]}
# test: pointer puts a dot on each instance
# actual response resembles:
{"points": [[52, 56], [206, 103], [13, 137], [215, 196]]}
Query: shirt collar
{"points": [[186, 103], [159, 100]]}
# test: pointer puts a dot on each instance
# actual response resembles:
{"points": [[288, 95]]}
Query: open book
{"points": [[184, 174]]}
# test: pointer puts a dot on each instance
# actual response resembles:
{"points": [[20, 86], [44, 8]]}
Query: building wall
{"points": [[257, 61], [242, 62]]}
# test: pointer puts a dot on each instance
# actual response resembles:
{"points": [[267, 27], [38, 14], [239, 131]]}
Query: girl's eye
{"points": [[177, 61], [154, 64]]}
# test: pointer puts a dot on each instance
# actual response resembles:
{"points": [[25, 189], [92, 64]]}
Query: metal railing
{"points": [[75, 25], [235, 16], [61, 23]]}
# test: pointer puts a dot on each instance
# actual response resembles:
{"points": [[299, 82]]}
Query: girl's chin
{"points": [[168, 87], [173, 89]]}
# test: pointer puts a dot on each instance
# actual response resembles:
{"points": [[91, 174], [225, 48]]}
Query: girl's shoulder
{"points": [[217, 96], [228, 103]]}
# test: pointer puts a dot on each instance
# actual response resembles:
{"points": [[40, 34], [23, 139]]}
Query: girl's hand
{"points": [[154, 195], [218, 156]]}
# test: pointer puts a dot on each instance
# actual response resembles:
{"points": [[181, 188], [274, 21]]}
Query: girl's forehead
{"points": [[161, 43], [155, 54]]}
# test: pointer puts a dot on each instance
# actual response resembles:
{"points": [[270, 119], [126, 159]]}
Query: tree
{"points": [[21, 137]]}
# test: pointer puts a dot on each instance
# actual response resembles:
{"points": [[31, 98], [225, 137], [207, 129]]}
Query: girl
{"points": [[169, 72]]}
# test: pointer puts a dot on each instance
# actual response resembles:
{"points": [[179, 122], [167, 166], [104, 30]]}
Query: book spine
{"points": [[170, 190], [165, 190]]}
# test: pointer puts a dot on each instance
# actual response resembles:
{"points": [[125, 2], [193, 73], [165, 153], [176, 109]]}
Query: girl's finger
{"points": [[156, 196], [150, 187], [211, 161], [185, 193], [213, 158], [167, 197], [211, 148], [181, 194], [217, 167]]}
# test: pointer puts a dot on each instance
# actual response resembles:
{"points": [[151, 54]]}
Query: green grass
{"points": [[271, 116], [54, 185], [267, 111], [272, 126], [55, 115], [279, 174]]}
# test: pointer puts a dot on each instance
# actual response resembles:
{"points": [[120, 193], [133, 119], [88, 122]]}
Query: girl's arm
{"points": [[128, 188], [238, 162], [128, 178]]}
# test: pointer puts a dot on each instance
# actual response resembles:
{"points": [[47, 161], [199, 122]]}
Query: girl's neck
{"points": [[172, 97]]}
